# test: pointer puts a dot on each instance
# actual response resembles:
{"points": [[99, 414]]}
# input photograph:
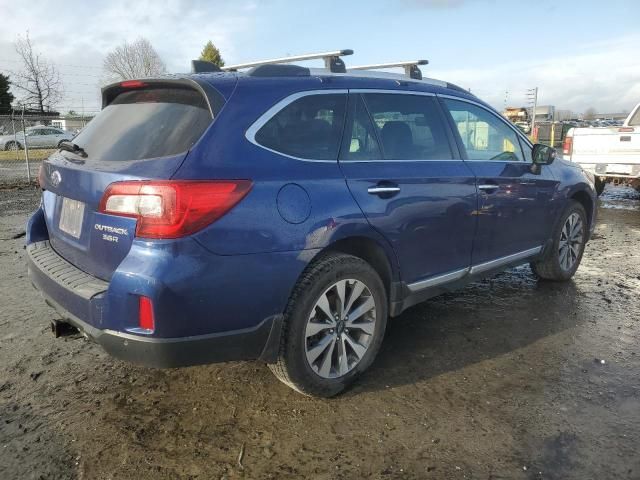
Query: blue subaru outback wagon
{"points": [[284, 213]]}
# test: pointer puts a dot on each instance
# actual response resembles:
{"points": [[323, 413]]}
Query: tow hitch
{"points": [[62, 329]]}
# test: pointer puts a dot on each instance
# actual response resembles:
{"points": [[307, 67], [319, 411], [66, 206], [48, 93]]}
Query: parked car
{"points": [[284, 214], [37, 137], [610, 153]]}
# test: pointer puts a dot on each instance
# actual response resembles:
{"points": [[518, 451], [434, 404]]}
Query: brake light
{"points": [[132, 84], [146, 320], [567, 146], [41, 179], [172, 208], [626, 130]]}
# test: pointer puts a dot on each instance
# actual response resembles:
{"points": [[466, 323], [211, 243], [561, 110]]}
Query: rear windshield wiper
{"points": [[73, 148]]}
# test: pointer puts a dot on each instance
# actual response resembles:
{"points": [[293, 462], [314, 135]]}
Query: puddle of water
{"points": [[620, 198]]}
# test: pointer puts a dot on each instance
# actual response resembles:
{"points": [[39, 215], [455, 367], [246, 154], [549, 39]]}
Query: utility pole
{"points": [[532, 96], [26, 147]]}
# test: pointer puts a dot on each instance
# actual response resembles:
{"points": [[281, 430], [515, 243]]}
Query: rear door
{"points": [[514, 204], [143, 133], [403, 170]]}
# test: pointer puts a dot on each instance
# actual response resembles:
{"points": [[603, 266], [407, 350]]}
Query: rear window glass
{"points": [[310, 128], [149, 123]]}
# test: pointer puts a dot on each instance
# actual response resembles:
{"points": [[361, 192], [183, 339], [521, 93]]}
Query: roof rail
{"points": [[332, 61], [411, 69]]}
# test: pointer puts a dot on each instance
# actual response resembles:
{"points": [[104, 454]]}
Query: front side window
{"points": [[485, 136], [409, 126], [309, 127]]}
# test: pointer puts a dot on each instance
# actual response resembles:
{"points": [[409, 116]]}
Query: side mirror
{"points": [[543, 154]]}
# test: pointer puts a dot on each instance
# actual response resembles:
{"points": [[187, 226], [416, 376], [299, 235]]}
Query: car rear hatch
{"points": [[145, 131]]}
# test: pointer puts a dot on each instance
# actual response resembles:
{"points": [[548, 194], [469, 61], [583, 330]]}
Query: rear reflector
{"points": [[172, 208], [145, 314]]}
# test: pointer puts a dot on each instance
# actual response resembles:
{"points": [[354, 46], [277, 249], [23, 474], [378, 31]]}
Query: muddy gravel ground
{"points": [[509, 378]]}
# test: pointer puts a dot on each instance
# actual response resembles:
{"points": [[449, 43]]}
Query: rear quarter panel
{"points": [[260, 222]]}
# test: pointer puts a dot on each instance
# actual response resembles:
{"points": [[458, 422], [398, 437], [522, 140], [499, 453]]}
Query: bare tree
{"points": [[590, 114], [133, 60], [39, 80]]}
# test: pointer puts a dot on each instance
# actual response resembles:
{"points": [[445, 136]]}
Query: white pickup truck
{"points": [[610, 153]]}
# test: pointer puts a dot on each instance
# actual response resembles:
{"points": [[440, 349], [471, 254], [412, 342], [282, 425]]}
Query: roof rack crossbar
{"points": [[411, 69], [332, 61]]}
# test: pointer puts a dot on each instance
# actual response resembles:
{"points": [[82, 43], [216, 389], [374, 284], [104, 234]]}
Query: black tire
{"points": [[550, 267], [292, 366], [600, 184], [12, 146]]}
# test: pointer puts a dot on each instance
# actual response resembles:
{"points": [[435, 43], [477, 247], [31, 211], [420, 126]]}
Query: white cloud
{"points": [[604, 75], [78, 34]]}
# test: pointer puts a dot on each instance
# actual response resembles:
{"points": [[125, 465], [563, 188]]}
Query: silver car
{"points": [[37, 137]]}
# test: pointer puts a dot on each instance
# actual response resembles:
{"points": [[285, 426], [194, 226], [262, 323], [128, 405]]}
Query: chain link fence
{"points": [[26, 140]]}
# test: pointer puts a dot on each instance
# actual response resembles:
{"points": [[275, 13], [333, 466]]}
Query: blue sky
{"points": [[580, 54]]}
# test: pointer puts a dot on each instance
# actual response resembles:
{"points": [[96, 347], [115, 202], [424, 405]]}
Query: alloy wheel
{"points": [[571, 239], [340, 328]]}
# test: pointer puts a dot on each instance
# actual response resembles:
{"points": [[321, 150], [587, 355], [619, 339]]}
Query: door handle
{"points": [[382, 190], [488, 186]]}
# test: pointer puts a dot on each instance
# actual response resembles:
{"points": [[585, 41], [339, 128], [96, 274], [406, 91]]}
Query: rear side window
{"points": [[409, 126], [148, 123], [309, 127], [635, 120]]}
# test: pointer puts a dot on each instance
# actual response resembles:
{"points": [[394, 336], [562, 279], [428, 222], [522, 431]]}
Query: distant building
{"points": [[71, 123], [612, 116], [545, 113]]}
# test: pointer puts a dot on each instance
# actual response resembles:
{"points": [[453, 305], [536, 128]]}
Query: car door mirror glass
{"points": [[543, 154]]}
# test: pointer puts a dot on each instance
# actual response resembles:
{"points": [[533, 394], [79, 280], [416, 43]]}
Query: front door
{"points": [[514, 203], [402, 167]]}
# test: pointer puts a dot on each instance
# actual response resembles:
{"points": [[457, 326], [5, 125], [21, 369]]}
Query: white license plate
{"points": [[620, 169], [71, 216]]}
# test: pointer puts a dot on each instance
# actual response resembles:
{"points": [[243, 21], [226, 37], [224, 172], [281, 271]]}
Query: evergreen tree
{"points": [[5, 95], [211, 54]]}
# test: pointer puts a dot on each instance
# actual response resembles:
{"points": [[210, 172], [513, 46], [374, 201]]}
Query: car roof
{"points": [[319, 78]]}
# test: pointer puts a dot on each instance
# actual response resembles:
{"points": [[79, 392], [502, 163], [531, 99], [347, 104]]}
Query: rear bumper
{"points": [[78, 297]]}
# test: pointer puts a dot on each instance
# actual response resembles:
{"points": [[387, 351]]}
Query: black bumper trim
{"points": [[245, 344]]}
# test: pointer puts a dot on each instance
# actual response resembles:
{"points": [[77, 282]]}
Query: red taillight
{"points": [[172, 209], [41, 180], [567, 145], [145, 314], [132, 84]]}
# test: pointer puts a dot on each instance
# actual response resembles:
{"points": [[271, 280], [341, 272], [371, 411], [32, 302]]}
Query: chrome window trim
{"points": [[394, 92], [495, 114], [479, 268], [251, 132]]}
